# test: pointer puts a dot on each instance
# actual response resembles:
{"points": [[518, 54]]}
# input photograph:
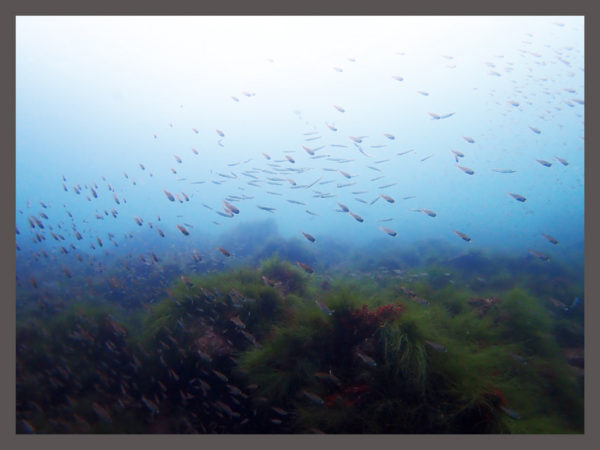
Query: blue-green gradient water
{"points": [[98, 96], [153, 147]]}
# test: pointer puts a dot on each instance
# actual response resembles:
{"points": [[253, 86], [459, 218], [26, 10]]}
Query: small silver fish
{"points": [[517, 197], [544, 163], [388, 231], [466, 170], [304, 267], [436, 346], [429, 212], [167, 194], [308, 236], [313, 397], [512, 414], [539, 255], [356, 216], [324, 308], [366, 359], [550, 239], [463, 236], [223, 251]]}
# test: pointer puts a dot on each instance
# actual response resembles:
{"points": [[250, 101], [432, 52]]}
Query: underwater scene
{"points": [[300, 224]]}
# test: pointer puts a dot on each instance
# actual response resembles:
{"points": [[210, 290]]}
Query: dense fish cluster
{"points": [[298, 180]]}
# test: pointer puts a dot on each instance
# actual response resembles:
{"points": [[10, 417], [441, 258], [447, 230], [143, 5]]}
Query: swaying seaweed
{"points": [[276, 350]]}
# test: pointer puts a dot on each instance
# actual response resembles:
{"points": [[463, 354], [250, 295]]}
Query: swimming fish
{"points": [[339, 108], [324, 308], [366, 359], [512, 414], [397, 78], [268, 281], [237, 322], [226, 213], [535, 130], [466, 170], [231, 207], [544, 163], [388, 231], [186, 281], [356, 216], [550, 239], [517, 197], [357, 139], [504, 170], [539, 255], [562, 161], [305, 267], [177, 158], [102, 412], [308, 236], [220, 133], [313, 397], [463, 236], [169, 195], [429, 212], [223, 251], [183, 230], [470, 140], [436, 346], [387, 198]]}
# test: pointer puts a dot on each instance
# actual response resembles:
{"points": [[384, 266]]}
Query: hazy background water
{"points": [[93, 91]]}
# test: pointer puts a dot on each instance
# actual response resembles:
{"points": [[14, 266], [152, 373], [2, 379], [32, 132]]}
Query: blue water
{"points": [[93, 92]]}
